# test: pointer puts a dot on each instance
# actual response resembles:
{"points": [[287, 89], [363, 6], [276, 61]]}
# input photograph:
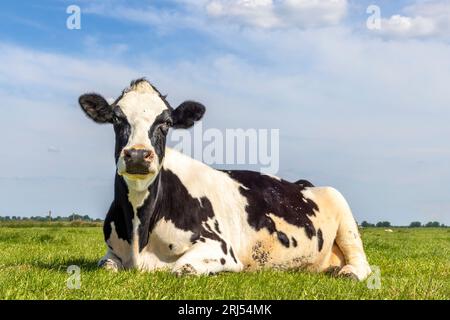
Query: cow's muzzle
{"points": [[138, 161]]}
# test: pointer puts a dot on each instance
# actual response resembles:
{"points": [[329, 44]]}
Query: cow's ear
{"points": [[187, 113], [96, 108]]}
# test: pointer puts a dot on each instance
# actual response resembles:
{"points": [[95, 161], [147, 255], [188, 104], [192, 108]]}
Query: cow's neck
{"points": [[139, 201]]}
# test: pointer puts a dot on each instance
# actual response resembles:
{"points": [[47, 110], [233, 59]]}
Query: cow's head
{"points": [[141, 117]]}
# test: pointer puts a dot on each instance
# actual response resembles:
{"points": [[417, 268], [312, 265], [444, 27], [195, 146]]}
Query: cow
{"points": [[171, 212]]}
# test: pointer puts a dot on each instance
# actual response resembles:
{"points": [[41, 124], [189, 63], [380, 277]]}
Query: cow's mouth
{"points": [[137, 173], [138, 170]]}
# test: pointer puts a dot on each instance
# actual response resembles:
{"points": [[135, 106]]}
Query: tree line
{"points": [[72, 217], [414, 224], [86, 218]]}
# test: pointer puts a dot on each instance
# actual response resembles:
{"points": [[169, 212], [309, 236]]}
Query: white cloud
{"points": [[402, 26], [144, 15], [309, 13], [164, 20], [279, 14], [92, 46], [259, 13], [264, 14], [429, 19], [58, 73], [424, 19]]}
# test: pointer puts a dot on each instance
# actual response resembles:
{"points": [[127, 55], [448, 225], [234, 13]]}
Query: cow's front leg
{"points": [[110, 262], [205, 258]]}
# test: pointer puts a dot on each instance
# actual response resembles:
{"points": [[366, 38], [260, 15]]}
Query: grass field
{"points": [[414, 264]]}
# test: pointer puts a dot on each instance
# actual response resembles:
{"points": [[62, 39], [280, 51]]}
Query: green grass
{"points": [[414, 263]]}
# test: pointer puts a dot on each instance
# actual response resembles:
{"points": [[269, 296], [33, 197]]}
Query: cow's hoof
{"points": [[349, 275], [333, 271], [348, 272], [109, 265], [184, 270]]}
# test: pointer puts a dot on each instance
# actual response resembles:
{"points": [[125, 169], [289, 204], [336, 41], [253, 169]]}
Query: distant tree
{"points": [[383, 224], [415, 224], [433, 224], [366, 224]]}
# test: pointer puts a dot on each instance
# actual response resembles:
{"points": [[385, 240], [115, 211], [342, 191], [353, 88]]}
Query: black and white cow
{"points": [[173, 212]]}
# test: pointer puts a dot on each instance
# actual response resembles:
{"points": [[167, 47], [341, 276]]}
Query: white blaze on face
{"points": [[141, 104]]}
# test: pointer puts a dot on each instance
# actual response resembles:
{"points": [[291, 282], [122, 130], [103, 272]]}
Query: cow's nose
{"points": [[137, 155], [138, 161]]}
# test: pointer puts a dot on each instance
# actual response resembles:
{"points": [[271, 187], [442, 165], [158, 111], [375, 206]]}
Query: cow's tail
{"points": [[304, 183]]}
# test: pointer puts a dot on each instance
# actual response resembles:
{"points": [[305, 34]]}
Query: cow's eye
{"points": [[118, 117], [119, 120], [164, 127]]}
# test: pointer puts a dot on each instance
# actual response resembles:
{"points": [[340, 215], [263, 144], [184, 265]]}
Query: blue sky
{"points": [[364, 111]]}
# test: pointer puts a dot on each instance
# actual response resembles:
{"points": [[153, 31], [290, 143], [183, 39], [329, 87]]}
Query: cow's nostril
{"points": [[138, 155], [148, 155], [127, 153]]}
